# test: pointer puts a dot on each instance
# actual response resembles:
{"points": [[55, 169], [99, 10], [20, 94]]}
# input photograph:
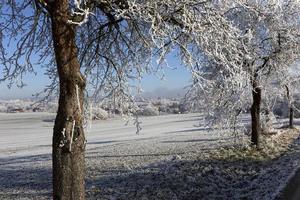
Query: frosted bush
{"points": [[267, 121], [149, 110], [99, 113]]}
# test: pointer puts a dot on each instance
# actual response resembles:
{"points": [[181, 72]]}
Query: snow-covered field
{"points": [[169, 159], [24, 134]]}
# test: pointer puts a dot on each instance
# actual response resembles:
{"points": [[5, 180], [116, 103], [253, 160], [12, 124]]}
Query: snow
{"points": [[22, 132], [169, 159]]}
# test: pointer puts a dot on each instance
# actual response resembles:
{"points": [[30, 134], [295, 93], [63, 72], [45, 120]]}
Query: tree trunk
{"points": [[291, 109], [291, 121], [68, 145], [255, 114]]}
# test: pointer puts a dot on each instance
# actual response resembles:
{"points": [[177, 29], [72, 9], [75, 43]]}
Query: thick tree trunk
{"points": [[255, 114], [68, 145]]}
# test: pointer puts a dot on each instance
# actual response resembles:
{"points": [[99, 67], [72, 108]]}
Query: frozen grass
{"points": [[222, 173], [171, 159]]}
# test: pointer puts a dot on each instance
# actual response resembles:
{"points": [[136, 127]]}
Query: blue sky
{"points": [[176, 77]]}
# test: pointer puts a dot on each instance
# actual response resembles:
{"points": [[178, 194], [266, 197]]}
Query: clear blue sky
{"points": [[176, 77]]}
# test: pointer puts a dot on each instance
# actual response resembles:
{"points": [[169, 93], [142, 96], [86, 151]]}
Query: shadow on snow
{"points": [[30, 177]]}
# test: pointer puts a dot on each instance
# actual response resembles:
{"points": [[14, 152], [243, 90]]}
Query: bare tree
{"points": [[103, 44]]}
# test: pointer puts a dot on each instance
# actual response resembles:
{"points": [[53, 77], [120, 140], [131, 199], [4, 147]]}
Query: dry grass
{"points": [[272, 147]]}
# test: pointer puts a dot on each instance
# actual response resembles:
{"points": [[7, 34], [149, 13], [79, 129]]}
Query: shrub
{"points": [[99, 114], [148, 110]]}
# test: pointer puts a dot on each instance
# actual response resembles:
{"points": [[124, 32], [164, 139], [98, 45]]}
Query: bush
{"points": [[99, 114], [148, 110]]}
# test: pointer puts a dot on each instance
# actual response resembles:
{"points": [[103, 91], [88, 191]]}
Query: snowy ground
{"points": [[170, 159]]}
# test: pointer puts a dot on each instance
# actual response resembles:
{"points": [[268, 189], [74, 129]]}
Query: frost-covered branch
{"points": [[270, 32]]}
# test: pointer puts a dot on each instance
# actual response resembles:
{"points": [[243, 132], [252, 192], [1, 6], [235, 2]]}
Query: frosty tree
{"points": [[288, 83], [271, 39], [103, 44]]}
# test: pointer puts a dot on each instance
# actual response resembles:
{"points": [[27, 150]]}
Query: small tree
{"points": [[288, 84]]}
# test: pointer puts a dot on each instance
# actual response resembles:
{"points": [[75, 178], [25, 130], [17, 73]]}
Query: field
{"points": [[172, 158]]}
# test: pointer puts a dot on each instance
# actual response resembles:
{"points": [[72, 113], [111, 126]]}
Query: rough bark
{"points": [[255, 114], [68, 145]]}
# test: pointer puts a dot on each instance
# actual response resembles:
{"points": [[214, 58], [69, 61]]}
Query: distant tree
{"points": [[103, 44], [288, 85]]}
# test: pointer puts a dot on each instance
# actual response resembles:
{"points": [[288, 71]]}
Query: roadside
{"points": [[292, 189]]}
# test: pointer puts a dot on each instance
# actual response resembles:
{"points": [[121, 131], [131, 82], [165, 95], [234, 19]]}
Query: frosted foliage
{"points": [[148, 110], [99, 113], [221, 97], [270, 32], [147, 30], [118, 40], [267, 121], [121, 100], [191, 26], [287, 86], [81, 9]]}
